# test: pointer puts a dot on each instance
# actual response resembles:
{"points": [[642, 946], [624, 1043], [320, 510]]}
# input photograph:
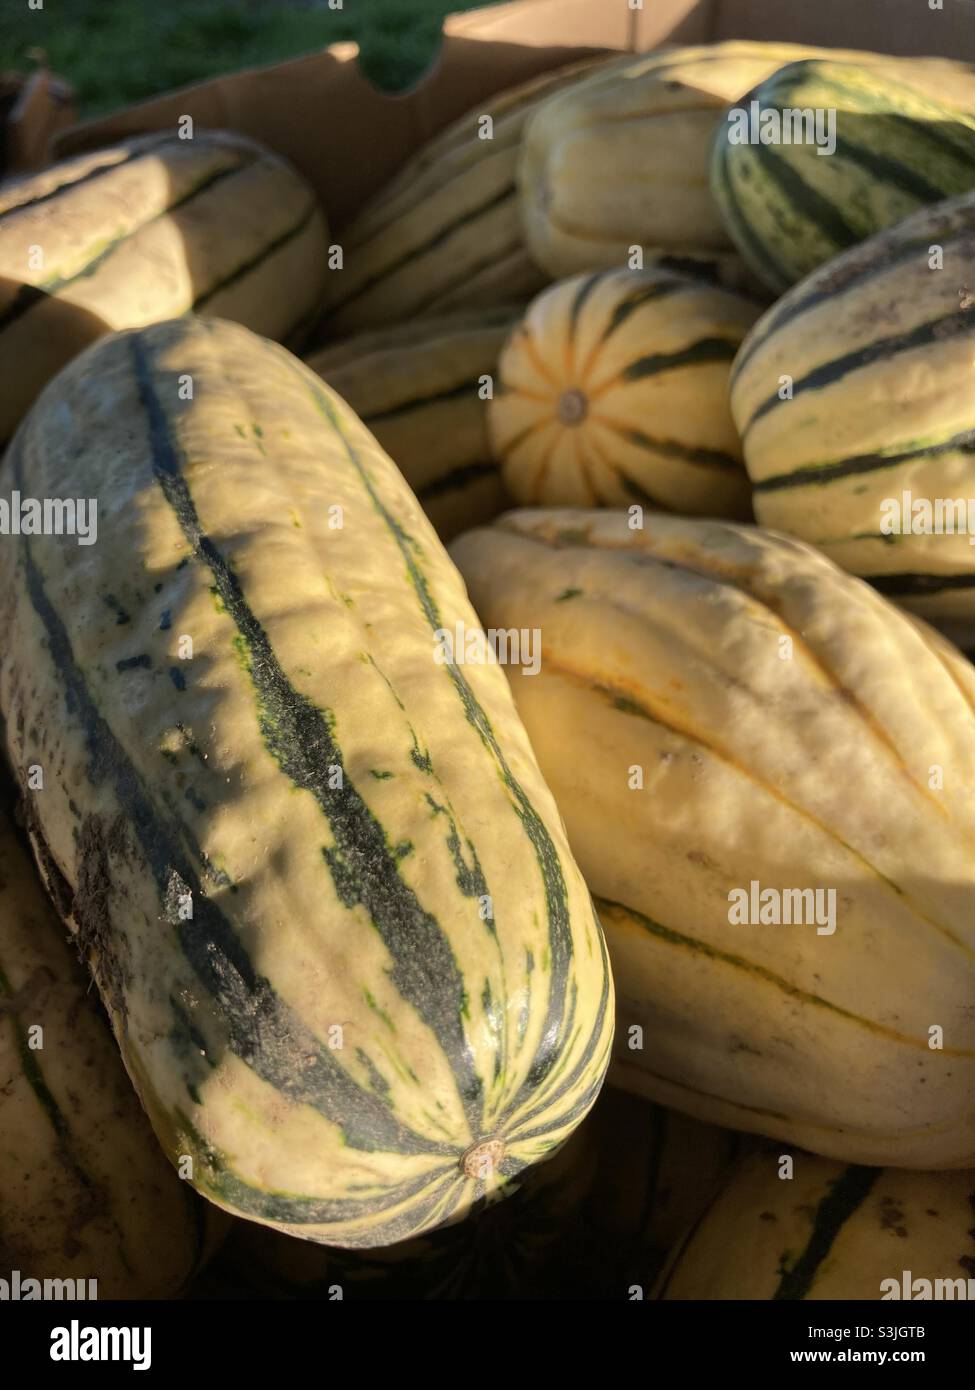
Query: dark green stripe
{"points": [[662, 290], [880, 350], [918, 585], [90, 177], [507, 195], [299, 737], [294, 1209], [704, 350], [803, 200], [846, 1194], [673, 448], [28, 296], [815, 475], [583, 1102], [885, 169], [762, 259], [456, 480], [432, 303], [560, 933], [260, 1029], [242, 270], [467, 390], [868, 261], [35, 1079], [582, 294]]}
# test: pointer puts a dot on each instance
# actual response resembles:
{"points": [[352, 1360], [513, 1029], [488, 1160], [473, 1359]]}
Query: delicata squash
{"points": [[326, 896]]}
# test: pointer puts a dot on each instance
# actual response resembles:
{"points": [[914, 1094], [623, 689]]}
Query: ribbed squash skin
{"points": [[418, 388], [446, 233], [364, 832], [879, 349], [144, 231], [829, 1232], [614, 389], [620, 159], [789, 208], [794, 767], [87, 1192]]}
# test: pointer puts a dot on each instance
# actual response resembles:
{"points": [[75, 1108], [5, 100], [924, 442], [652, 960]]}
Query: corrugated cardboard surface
{"points": [[347, 138]]}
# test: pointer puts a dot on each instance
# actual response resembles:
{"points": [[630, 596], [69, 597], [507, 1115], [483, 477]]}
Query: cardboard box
{"points": [[347, 138]]}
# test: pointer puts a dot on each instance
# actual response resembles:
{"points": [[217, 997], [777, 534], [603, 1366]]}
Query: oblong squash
{"points": [[864, 151], [749, 718], [86, 1192], [870, 454], [614, 389], [829, 1232], [419, 387], [354, 972], [620, 158], [446, 233], [143, 231]]}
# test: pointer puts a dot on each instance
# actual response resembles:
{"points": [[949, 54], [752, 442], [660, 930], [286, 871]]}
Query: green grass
{"points": [[116, 52]]}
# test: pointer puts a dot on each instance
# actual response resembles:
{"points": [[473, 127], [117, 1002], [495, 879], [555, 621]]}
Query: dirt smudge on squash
{"points": [[99, 845]]}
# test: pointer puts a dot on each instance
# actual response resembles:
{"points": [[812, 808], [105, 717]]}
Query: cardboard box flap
{"points": [[323, 114], [906, 27]]}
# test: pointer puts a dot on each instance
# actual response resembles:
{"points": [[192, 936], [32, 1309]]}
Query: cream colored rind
{"points": [[613, 389], [828, 1232], [793, 729], [349, 1012], [146, 231]]}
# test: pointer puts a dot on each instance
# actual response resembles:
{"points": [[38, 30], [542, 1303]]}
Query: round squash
{"points": [[767, 773], [853, 398], [613, 389], [828, 1232]]}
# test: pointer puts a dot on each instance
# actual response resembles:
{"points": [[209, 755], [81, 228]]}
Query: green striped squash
{"points": [[420, 389], [759, 727], [87, 1194], [789, 206], [875, 350], [614, 389], [353, 969], [828, 1232], [143, 231], [445, 234]]}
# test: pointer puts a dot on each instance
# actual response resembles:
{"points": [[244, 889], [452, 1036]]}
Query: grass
{"points": [[115, 52]]}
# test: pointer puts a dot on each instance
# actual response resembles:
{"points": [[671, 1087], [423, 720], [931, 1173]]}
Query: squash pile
{"points": [[383, 857]]}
